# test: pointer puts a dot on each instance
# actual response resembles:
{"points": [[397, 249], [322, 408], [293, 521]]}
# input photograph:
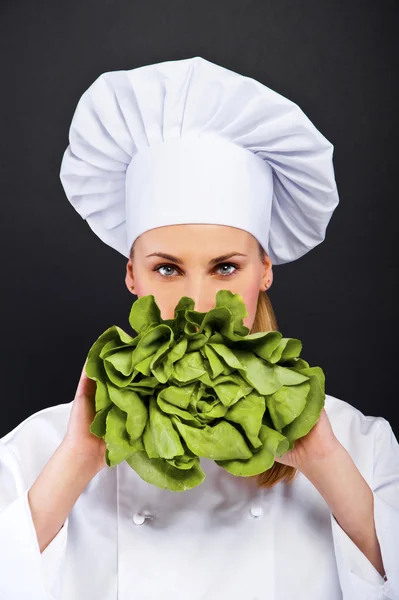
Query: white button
{"points": [[138, 519], [256, 511]]}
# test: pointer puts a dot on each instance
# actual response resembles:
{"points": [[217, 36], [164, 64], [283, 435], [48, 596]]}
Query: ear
{"points": [[267, 275], [269, 278], [129, 280]]}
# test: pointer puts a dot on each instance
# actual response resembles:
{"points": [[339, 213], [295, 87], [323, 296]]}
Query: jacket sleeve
{"points": [[358, 577], [25, 572]]}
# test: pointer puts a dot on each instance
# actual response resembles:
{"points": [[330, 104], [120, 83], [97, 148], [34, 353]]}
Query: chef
{"points": [[187, 161]]}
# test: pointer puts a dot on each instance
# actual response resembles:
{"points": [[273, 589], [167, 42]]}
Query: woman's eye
{"points": [[236, 267], [228, 265], [163, 267]]}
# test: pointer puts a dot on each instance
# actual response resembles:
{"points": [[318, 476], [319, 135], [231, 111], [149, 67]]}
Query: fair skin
{"points": [[318, 455], [195, 245]]}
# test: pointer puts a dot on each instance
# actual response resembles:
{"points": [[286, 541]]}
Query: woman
{"points": [[204, 179]]}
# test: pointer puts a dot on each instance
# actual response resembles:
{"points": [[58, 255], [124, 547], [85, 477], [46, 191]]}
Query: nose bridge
{"points": [[201, 290]]}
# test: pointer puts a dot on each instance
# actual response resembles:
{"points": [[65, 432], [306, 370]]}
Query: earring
{"points": [[267, 284], [132, 287]]}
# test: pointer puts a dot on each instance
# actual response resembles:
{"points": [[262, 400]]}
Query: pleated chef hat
{"points": [[189, 141]]}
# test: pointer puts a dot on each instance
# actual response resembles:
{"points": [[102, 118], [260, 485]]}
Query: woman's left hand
{"points": [[318, 444]]}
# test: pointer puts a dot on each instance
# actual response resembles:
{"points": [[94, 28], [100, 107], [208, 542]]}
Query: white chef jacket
{"points": [[226, 539]]}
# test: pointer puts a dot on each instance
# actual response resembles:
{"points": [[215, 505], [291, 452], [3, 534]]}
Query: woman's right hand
{"points": [[79, 440]]}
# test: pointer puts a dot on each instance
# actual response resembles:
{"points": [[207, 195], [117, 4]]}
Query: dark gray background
{"points": [[61, 287]]}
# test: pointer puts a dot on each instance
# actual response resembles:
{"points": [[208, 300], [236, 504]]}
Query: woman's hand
{"points": [[318, 444], [83, 444], [327, 464]]}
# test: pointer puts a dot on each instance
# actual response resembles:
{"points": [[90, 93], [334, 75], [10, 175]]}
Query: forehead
{"points": [[202, 238]]}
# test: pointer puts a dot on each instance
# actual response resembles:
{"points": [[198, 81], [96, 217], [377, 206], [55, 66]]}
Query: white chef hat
{"points": [[189, 141]]}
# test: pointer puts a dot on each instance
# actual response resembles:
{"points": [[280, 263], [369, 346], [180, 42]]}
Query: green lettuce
{"points": [[199, 385]]}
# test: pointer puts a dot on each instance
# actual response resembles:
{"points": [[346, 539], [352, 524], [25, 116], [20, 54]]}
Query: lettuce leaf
{"points": [[199, 385]]}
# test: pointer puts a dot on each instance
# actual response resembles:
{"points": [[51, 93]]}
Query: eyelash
{"points": [[237, 268]]}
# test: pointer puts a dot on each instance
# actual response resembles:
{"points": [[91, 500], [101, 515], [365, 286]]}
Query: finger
{"points": [[86, 386]]}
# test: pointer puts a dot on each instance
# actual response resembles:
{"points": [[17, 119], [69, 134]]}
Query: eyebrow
{"points": [[213, 261]]}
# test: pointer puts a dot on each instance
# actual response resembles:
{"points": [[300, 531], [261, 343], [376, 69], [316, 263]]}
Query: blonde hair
{"points": [[265, 320]]}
